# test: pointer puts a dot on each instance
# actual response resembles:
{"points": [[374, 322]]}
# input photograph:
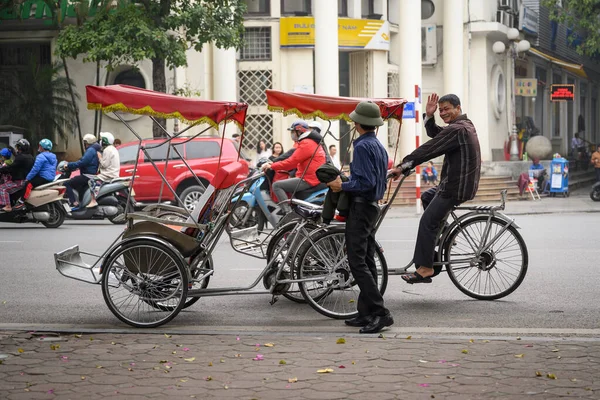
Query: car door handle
{"points": [[130, 170], [179, 166]]}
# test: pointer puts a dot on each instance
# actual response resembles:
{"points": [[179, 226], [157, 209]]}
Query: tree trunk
{"points": [[159, 82]]}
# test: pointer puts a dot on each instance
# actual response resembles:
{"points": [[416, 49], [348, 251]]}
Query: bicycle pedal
{"points": [[274, 300]]}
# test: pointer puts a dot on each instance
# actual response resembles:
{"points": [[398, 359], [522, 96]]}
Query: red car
{"points": [[202, 155]]}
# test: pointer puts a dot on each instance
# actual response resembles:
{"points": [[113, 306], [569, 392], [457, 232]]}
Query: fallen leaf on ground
{"points": [[424, 384], [353, 362], [455, 365], [519, 355], [20, 350], [486, 341], [99, 366], [450, 377], [538, 373], [259, 357], [238, 355], [208, 378], [341, 366], [174, 352], [518, 338], [282, 362], [573, 380], [381, 336], [293, 380], [237, 338], [210, 364], [408, 337], [186, 349], [471, 341], [269, 345], [555, 350], [423, 361], [442, 362], [465, 351], [83, 378], [77, 336], [163, 361], [190, 359], [225, 387], [221, 360], [168, 336], [324, 370], [341, 341], [551, 376], [130, 369], [55, 346]]}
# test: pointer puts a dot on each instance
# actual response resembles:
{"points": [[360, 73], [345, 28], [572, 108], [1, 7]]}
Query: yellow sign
{"points": [[368, 34], [526, 87]]}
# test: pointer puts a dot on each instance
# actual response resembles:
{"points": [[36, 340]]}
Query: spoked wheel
{"points": [[195, 284], [144, 283], [334, 293], [492, 273], [118, 218], [172, 216], [236, 219], [277, 241]]}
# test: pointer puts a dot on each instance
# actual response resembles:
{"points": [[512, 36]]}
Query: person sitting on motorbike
{"points": [[5, 159], [303, 160], [18, 170], [110, 163], [87, 165]]}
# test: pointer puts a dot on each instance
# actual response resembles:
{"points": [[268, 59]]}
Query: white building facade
{"points": [[364, 48]]}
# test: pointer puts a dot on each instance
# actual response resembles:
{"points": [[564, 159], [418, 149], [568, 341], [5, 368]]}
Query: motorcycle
{"points": [[44, 205], [595, 193], [256, 207], [111, 198]]}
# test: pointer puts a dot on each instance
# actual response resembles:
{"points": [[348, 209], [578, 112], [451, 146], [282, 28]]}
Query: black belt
{"points": [[357, 199]]}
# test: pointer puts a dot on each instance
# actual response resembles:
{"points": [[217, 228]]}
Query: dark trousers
{"points": [[22, 191], [76, 183], [360, 245], [436, 210]]}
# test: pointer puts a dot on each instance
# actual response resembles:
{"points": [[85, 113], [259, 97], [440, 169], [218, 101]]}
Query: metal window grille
{"points": [[253, 85], [257, 44], [393, 80], [258, 126]]}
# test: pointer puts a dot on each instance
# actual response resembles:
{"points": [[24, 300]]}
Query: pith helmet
{"points": [[367, 113]]}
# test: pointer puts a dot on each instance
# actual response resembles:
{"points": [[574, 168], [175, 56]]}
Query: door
{"points": [[149, 185], [203, 155]]}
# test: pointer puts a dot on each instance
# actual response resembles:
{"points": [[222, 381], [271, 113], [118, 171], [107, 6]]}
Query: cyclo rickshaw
{"points": [[161, 263]]}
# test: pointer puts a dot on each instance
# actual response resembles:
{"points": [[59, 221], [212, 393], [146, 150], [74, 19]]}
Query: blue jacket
{"points": [[88, 164], [44, 166]]}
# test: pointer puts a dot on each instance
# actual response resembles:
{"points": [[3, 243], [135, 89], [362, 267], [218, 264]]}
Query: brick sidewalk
{"points": [[146, 366]]}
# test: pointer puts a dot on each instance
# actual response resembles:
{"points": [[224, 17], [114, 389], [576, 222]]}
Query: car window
{"points": [[243, 153], [202, 149], [128, 154], [160, 153]]}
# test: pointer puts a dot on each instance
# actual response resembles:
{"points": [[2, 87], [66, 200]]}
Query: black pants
{"points": [[436, 210], [20, 192], [76, 183], [360, 245]]}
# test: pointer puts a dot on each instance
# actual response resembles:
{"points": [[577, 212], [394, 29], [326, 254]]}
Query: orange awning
{"points": [[576, 69]]}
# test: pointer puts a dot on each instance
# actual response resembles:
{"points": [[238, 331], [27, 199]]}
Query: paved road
{"points": [[559, 292]]}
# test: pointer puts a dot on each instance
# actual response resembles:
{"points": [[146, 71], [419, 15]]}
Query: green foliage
{"points": [[584, 17], [129, 32], [37, 98]]}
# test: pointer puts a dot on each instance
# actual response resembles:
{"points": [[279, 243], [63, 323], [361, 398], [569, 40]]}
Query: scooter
{"points": [[44, 205], [256, 207], [111, 198], [595, 193]]}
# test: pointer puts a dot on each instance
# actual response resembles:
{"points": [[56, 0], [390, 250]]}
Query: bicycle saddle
{"points": [[307, 212]]}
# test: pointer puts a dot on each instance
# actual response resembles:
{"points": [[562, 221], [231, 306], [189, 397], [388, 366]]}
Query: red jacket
{"points": [[300, 158]]}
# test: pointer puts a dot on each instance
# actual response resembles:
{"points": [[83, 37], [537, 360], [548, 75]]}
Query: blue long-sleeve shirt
{"points": [[88, 164], [368, 169], [44, 166]]}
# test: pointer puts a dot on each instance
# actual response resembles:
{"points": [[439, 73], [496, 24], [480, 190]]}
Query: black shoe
{"points": [[358, 321], [378, 323]]}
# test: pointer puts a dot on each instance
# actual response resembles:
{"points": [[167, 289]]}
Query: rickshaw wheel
{"points": [[144, 283]]}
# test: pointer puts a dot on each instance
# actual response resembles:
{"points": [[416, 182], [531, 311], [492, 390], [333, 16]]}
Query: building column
{"points": [[354, 9], [327, 66], [453, 47], [409, 70], [224, 65]]}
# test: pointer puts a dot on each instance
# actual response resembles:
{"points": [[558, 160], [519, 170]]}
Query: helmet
{"points": [[315, 125], [299, 125], [46, 144], [89, 138], [62, 166], [107, 138], [6, 153], [22, 145]]}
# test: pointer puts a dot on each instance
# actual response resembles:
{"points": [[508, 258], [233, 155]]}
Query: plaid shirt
{"points": [[462, 163]]}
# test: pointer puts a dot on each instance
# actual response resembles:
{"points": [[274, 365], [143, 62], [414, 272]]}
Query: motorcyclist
{"points": [[110, 164], [87, 165], [18, 170], [307, 157]]}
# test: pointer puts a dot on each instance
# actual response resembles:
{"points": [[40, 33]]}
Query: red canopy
{"points": [[148, 102], [328, 107]]}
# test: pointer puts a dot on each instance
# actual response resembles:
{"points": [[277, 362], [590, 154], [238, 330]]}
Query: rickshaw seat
{"points": [[182, 242], [226, 176]]}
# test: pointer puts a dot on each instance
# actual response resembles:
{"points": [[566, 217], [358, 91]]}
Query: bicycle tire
{"points": [[148, 286], [488, 262], [293, 293], [334, 294]]}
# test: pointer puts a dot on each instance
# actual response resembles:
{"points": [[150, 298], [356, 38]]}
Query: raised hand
{"points": [[432, 104]]}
